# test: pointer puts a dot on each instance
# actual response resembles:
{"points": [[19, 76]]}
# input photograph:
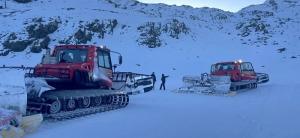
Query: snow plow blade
{"points": [[262, 78], [220, 85], [132, 83], [36, 86], [206, 84]]}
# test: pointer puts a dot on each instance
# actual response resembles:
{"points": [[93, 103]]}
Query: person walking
{"points": [[154, 80], [163, 82]]}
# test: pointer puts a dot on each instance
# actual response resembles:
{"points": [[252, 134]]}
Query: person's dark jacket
{"points": [[153, 77], [163, 78]]}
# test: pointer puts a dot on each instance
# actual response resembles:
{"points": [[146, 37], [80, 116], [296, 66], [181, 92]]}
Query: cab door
{"points": [[104, 63], [247, 71]]}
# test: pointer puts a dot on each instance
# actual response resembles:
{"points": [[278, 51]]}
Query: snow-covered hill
{"points": [[276, 22], [187, 40], [35, 24], [269, 30], [130, 27]]}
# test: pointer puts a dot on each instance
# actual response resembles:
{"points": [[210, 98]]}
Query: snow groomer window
{"points": [[246, 67], [72, 56], [104, 59]]}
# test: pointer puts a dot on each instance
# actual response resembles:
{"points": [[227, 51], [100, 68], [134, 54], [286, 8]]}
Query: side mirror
{"points": [[120, 60]]}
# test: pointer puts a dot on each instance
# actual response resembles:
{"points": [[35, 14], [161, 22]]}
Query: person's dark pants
{"points": [[162, 86], [153, 85]]}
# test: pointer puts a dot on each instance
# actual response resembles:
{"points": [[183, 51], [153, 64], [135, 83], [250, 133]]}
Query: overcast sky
{"points": [[227, 5]]}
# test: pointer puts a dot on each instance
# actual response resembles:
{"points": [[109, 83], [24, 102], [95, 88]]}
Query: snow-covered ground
{"points": [[12, 94], [270, 111]]}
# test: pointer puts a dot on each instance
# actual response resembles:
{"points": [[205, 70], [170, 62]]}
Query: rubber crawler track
{"points": [[117, 101]]}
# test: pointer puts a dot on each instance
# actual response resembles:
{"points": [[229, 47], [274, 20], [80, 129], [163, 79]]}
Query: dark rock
{"points": [[5, 53], [102, 27], [70, 9], [97, 27], [23, 1], [280, 50], [39, 30], [36, 49], [12, 36], [175, 28], [150, 35], [44, 44], [82, 36], [40, 44], [17, 45], [293, 57]]}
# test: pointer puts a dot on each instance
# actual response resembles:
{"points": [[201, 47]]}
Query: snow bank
{"points": [[12, 90]]}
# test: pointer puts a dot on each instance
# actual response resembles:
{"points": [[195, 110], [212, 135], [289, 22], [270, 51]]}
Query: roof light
{"points": [[102, 46], [238, 61]]}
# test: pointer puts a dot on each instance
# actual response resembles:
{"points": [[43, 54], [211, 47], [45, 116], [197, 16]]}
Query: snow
{"points": [[12, 90], [270, 111]]}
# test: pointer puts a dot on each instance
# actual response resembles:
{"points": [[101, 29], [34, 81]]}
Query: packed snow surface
{"points": [[268, 112]]}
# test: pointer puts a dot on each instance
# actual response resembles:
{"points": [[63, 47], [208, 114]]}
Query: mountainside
{"points": [[276, 22], [104, 19], [146, 33], [38, 24]]}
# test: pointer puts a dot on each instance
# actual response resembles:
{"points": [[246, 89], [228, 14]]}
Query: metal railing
{"points": [[30, 71], [122, 76]]}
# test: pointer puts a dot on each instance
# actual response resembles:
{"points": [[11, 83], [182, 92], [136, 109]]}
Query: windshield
{"points": [[71, 55], [247, 67], [222, 67]]}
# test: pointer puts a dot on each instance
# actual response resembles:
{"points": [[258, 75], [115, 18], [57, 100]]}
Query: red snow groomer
{"points": [[77, 66], [225, 77], [75, 80]]}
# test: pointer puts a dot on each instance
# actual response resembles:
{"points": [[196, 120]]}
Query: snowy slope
{"points": [[253, 34], [273, 24], [210, 30]]}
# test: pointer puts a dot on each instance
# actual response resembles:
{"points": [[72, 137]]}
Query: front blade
{"points": [[36, 86], [221, 84]]}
